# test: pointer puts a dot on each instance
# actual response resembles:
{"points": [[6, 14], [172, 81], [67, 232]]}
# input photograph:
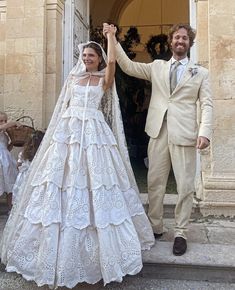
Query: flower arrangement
{"points": [[158, 47]]}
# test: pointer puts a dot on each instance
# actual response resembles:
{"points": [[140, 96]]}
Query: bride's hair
{"points": [[98, 50]]}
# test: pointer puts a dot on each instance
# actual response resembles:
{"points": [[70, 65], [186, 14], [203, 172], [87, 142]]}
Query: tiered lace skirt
{"points": [[84, 221]]}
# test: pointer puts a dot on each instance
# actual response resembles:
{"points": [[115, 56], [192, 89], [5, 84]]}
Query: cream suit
{"points": [[172, 139]]}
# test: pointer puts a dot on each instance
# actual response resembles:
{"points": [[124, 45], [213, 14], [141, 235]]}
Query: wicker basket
{"points": [[19, 135]]}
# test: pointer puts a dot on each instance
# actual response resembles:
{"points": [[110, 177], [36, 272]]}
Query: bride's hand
{"points": [[105, 29], [112, 29], [109, 29]]}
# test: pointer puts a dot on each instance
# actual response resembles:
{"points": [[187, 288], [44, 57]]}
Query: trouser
{"points": [[183, 160]]}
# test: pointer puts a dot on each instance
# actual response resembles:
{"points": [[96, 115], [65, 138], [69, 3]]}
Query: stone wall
{"points": [[219, 173], [25, 59], [30, 57]]}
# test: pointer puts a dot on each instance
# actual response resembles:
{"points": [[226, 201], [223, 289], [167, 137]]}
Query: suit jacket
{"points": [[181, 105]]}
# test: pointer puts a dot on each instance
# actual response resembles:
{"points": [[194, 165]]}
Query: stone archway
{"points": [[118, 8]]}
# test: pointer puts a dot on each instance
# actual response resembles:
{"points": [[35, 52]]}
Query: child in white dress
{"points": [[24, 160], [8, 168]]}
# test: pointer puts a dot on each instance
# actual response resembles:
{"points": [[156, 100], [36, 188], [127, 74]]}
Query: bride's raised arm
{"points": [[111, 58]]}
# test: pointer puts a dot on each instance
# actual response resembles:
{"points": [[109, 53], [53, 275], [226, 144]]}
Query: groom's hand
{"points": [[105, 29], [202, 142]]}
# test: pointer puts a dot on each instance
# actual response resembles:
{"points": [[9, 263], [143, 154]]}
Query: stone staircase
{"points": [[210, 255], [211, 248]]}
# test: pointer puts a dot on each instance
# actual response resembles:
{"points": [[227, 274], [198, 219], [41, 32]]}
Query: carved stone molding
{"points": [[218, 196], [217, 209], [57, 5], [118, 7], [3, 5], [219, 183], [3, 8]]}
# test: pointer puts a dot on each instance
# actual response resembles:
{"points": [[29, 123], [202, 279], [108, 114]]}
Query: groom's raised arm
{"points": [[135, 69], [132, 68]]}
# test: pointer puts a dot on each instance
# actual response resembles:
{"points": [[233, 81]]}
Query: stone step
{"points": [[201, 262], [169, 205], [209, 257]]}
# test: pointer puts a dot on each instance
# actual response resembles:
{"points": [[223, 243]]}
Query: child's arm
{"points": [[10, 146], [9, 124], [20, 159]]}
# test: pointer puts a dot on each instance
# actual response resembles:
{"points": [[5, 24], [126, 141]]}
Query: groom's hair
{"points": [[187, 27]]}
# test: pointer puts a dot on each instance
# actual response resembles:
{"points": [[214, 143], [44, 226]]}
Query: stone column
{"points": [[202, 53], [2, 48], [202, 32], [219, 177], [54, 54]]}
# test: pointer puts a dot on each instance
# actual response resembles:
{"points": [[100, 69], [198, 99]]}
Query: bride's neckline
{"points": [[88, 86]]}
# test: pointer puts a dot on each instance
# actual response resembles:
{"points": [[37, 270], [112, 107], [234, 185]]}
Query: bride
{"points": [[80, 218]]}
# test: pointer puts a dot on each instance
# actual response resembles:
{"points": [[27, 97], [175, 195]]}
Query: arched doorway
{"points": [[150, 18]]}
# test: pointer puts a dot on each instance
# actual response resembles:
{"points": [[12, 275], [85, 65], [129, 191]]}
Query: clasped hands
{"points": [[109, 29]]}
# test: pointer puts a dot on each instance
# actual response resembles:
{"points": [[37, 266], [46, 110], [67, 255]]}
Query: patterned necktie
{"points": [[173, 76]]}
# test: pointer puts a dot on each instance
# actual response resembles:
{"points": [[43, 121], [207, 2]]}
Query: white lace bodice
{"points": [[94, 96]]}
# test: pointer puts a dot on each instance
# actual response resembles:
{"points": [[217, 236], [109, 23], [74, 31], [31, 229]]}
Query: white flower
{"points": [[193, 71]]}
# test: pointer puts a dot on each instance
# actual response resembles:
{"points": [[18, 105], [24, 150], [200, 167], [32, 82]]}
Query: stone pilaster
{"points": [[2, 48], [219, 177], [202, 32], [54, 46]]}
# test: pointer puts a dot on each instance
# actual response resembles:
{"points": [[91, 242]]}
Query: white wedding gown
{"points": [[83, 222]]}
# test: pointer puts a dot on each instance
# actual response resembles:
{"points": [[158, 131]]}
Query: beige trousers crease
{"points": [[183, 160]]}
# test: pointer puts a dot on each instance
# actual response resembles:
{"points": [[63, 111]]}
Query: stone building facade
{"points": [[38, 47]]}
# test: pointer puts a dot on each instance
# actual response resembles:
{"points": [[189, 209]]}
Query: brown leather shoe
{"points": [[157, 236], [180, 246]]}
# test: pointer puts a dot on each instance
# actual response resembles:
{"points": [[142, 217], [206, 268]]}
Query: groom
{"points": [[177, 85]]}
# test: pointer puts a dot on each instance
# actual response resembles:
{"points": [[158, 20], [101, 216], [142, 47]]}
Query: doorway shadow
{"points": [[141, 171]]}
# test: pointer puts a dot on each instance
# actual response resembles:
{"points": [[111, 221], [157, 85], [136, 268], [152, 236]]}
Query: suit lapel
{"points": [[167, 74], [185, 77]]}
